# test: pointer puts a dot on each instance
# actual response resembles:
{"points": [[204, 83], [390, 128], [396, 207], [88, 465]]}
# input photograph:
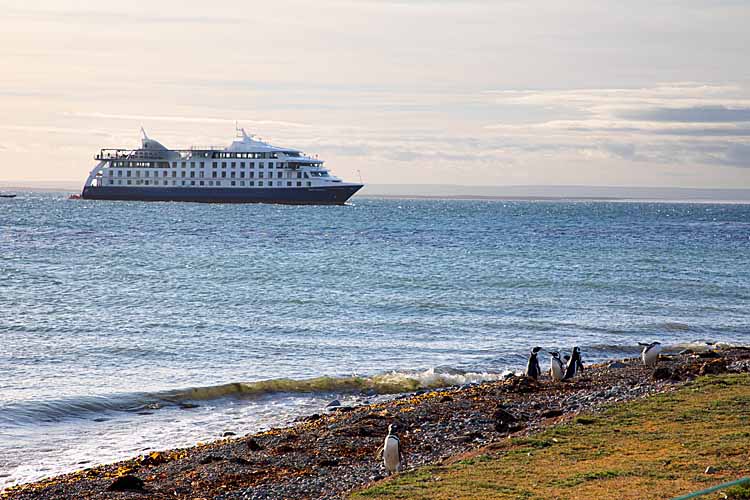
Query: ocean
{"points": [[132, 327]]}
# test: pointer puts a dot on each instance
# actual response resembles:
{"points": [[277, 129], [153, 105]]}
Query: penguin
{"points": [[391, 451], [650, 354], [556, 367], [574, 364], [532, 367]]}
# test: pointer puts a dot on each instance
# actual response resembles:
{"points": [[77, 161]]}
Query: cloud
{"points": [[694, 114], [189, 119], [737, 155]]}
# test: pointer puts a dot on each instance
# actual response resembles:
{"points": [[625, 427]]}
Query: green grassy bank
{"points": [[656, 448]]}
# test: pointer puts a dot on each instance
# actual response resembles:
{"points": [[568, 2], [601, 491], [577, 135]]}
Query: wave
{"points": [[382, 384]]}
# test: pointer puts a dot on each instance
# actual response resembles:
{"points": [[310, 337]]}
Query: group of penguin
{"points": [[392, 452]]}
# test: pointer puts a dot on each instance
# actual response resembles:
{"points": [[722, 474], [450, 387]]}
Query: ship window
{"points": [[270, 164], [119, 173], [223, 164], [299, 183], [129, 172], [233, 175], [233, 183], [218, 183], [307, 177], [234, 164], [299, 175], [183, 183], [183, 174], [260, 183], [252, 164], [111, 181], [251, 174], [202, 164], [309, 183], [242, 175], [288, 183], [242, 164], [210, 183], [201, 174], [119, 181], [214, 164], [145, 182], [260, 174], [279, 174], [202, 183], [183, 164], [223, 175], [214, 175], [192, 183], [129, 181], [137, 173], [146, 173], [174, 173], [270, 183], [242, 183], [165, 174], [260, 165], [111, 173], [166, 183], [192, 174], [251, 183], [192, 164]]}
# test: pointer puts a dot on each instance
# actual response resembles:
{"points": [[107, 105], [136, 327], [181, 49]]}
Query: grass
{"points": [[657, 448]]}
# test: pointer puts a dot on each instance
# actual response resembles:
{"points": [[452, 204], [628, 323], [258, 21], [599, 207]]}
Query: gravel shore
{"points": [[329, 455]]}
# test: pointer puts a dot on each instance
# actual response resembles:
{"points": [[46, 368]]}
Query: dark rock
{"points": [[188, 406], [209, 459], [333, 403], [713, 367], [240, 461], [328, 462], [228, 433], [127, 483], [285, 448], [616, 365], [504, 415], [253, 445], [341, 409], [551, 413], [662, 373], [308, 418], [446, 398], [709, 354]]}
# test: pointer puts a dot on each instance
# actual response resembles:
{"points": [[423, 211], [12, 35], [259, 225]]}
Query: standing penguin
{"points": [[650, 354], [391, 451], [532, 367], [556, 366], [574, 364]]}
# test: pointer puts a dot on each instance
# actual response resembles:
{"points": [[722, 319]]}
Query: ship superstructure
{"points": [[247, 171]]}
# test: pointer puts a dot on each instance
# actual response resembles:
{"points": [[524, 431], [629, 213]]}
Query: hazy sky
{"points": [[630, 93]]}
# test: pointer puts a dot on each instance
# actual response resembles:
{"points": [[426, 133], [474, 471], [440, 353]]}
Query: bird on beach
{"points": [[650, 354], [391, 451], [574, 364], [532, 367], [556, 366]]}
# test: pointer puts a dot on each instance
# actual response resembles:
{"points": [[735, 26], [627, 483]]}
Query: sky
{"points": [[461, 92]]}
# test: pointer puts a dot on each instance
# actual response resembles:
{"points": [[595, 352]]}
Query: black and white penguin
{"points": [[556, 366], [532, 367], [574, 364], [650, 354], [391, 451]]}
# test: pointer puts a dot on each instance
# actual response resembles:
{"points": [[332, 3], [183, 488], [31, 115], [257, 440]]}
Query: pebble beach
{"points": [[332, 454]]}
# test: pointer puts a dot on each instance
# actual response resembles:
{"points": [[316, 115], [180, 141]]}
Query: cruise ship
{"points": [[247, 171]]}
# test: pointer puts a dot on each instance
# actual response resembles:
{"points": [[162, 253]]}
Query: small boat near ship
{"points": [[247, 171], [7, 195]]}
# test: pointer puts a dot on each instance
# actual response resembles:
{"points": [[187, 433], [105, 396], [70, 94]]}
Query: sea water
{"points": [[129, 327]]}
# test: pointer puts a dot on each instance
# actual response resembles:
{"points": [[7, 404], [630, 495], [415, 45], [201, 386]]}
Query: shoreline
{"points": [[332, 455]]}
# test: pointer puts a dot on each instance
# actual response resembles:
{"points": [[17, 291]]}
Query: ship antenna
{"points": [[143, 132]]}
